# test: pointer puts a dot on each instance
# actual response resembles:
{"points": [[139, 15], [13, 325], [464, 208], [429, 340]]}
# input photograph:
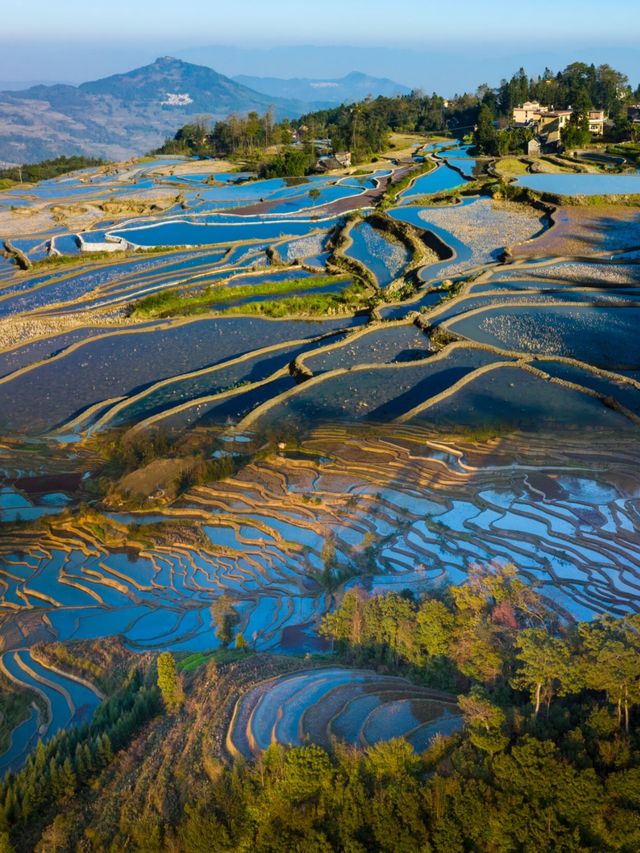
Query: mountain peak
{"points": [[124, 114]]}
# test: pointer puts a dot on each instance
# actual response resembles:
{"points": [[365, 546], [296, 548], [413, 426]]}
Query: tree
{"points": [[347, 622], [56, 837], [611, 661], [169, 682], [434, 630], [543, 802], [485, 721], [576, 134], [104, 750], [225, 617], [241, 644], [63, 781], [485, 136], [477, 649], [545, 665], [314, 195]]}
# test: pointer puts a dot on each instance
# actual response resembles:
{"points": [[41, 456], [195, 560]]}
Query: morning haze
{"points": [[319, 427]]}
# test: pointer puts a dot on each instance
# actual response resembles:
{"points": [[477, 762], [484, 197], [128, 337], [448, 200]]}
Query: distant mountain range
{"points": [[353, 87], [122, 115], [130, 114]]}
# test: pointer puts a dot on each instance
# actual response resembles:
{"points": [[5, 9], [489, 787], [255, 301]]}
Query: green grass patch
{"points": [[392, 192], [71, 260], [197, 659], [511, 166], [351, 299], [173, 302], [97, 530]]}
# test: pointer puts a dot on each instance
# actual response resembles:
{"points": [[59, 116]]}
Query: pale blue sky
{"points": [[335, 21], [439, 46]]}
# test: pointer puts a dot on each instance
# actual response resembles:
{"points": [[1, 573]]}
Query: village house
{"points": [[633, 113], [339, 160], [597, 121], [526, 113], [546, 121]]}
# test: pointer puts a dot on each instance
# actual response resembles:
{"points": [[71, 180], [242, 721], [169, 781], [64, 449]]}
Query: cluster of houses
{"points": [[327, 159], [334, 160], [547, 124]]}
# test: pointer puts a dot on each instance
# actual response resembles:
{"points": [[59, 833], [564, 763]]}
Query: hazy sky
{"points": [[346, 21], [440, 46]]}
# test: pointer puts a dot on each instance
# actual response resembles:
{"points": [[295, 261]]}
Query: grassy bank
{"points": [[54, 261], [629, 150], [171, 303], [349, 300], [394, 190]]}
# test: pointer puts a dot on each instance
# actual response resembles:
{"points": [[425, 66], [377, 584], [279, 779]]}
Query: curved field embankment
{"points": [[356, 706]]}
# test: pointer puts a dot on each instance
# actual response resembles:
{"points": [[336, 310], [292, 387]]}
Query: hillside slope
{"points": [[122, 115], [325, 92]]}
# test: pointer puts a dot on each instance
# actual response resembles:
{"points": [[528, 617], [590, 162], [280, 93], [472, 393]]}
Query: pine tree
{"points": [[67, 781], [104, 750], [87, 758], [10, 805], [169, 682], [79, 762], [5, 844], [40, 758], [54, 778]]}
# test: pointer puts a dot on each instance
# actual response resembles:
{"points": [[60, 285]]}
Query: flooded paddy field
{"points": [[123, 362], [486, 410], [583, 184], [355, 706], [601, 335], [405, 508], [385, 258]]}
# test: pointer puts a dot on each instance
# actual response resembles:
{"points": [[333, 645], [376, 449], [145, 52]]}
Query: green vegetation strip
{"points": [[352, 298], [172, 302], [34, 172], [198, 659], [395, 189]]}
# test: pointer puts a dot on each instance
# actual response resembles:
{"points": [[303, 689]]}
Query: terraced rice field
{"points": [[536, 345], [429, 509], [355, 706], [67, 328], [69, 702]]}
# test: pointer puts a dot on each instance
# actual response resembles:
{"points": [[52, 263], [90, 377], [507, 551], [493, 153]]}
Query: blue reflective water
{"points": [[581, 184], [440, 179], [385, 258], [419, 217], [188, 234]]}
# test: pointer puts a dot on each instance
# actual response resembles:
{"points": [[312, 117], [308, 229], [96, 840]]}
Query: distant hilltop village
{"points": [[548, 123], [548, 120]]}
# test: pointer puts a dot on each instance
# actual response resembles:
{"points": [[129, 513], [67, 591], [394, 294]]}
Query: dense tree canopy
{"points": [[363, 128], [549, 758], [34, 172]]}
